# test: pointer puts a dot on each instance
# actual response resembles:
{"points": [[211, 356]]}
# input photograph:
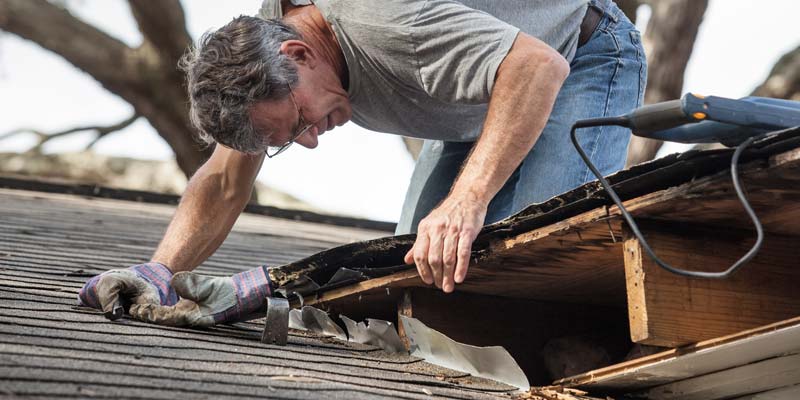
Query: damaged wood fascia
{"points": [[663, 173], [683, 175], [387, 251], [396, 279], [695, 188]]}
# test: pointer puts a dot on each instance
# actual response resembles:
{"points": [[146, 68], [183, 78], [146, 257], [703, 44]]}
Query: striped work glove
{"points": [[208, 300], [112, 290]]}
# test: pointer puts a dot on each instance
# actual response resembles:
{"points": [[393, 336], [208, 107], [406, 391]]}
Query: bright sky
{"points": [[352, 171]]}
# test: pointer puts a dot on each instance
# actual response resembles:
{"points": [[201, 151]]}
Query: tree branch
{"points": [[163, 24], [629, 8], [783, 81], [144, 77], [103, 131], [83, 45], [100, 131], [668, 42]]}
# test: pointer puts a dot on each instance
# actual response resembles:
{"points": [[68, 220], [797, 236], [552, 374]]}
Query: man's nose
{"points": [[309, 139]]}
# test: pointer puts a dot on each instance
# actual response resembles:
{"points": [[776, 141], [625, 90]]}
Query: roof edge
{"points": [[92, 190]]}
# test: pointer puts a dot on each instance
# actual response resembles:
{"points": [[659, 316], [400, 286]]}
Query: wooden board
{"points": [[669, 310], [747, 379], [788, 392], [702, 358], [404, 277], [555, 268], [772, 186]]}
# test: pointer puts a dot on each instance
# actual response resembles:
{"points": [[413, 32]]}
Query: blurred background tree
{"points": [[145, 76], [668, 42]]}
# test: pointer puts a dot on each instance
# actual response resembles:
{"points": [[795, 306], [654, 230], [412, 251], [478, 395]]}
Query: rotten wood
{"points": [[684, 179], [404, 308], [580, 259], [389, 280]]}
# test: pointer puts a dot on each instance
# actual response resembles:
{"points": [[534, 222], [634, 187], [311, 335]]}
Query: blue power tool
{"points": [[700, 119], [711, 119]]}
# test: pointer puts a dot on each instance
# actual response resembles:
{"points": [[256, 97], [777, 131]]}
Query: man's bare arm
{"points": [[525, 89], [211, 203]]}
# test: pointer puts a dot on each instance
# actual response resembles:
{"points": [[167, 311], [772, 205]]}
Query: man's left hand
{"points": [[209, 300], [444, 241]]}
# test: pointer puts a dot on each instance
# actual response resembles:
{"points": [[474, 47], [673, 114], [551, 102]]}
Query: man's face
{"points": [[320, 99]]}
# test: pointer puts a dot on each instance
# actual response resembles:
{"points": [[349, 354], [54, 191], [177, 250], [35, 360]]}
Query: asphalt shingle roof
{"points": [[51, 243]]}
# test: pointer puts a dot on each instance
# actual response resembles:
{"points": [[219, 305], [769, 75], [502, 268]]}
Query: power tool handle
{"points": [[656, 117]]}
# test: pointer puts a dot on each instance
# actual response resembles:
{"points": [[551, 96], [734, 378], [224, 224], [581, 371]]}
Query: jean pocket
{"points": [[636, 37]]}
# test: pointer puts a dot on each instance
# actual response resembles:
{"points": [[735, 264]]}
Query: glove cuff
{"points": [[158, 275], [252, 289], [87, 296]]}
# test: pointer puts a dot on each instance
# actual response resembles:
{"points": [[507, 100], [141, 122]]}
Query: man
{"points": [[482, 80]]}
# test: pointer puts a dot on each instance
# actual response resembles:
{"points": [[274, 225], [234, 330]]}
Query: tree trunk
{"points": [[668, 42], [146, 77], [783, 81], [629, 7]]}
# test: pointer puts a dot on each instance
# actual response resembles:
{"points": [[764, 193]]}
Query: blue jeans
{"points": [[607, 78]]}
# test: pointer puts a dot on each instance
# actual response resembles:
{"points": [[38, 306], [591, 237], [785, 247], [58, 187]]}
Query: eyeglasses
{"points": [[302, 125]]}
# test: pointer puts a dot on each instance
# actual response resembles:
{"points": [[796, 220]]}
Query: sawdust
{"points": [[555, 393]]}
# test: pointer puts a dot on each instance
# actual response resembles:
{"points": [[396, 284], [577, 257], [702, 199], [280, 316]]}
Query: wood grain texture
{"points": [[670, 310], [405, 309], [788, 392]]}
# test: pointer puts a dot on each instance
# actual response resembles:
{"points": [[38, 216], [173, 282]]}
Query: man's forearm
{"points": [[213, 200], [524, 92]]}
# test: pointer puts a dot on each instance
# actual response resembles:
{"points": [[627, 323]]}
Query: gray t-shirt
{"points": [[425, 68]]}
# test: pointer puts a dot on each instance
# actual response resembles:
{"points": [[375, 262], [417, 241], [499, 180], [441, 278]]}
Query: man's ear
{"points": [[300, 52]]}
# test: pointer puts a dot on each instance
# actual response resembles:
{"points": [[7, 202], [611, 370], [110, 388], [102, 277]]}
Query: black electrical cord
{"points": [[624, 122]]}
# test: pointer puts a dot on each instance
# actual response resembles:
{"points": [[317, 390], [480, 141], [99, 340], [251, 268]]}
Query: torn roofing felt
{"points": [[379, 257]]}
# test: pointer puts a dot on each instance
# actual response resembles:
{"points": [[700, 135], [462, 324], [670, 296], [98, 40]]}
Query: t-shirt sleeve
{"points": [[458, 50]]}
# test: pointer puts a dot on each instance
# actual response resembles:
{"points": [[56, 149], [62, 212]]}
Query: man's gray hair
{"points": [[230, 70]]}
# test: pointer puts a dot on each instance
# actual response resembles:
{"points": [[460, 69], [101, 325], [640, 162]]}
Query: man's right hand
{"points": [[140, 284]]}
